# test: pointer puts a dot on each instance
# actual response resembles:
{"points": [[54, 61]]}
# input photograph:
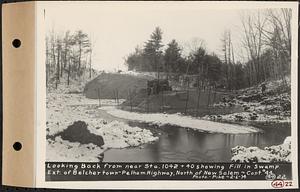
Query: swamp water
{"points": [[176, 144]]}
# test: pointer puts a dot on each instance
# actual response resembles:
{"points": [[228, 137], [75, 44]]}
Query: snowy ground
{"points": [[279, 153], [64, 109], [273, 106], [180, 120], [140, 74], [249, 116]]}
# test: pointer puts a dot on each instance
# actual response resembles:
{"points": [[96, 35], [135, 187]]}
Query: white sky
{"points": [[117, 28]]}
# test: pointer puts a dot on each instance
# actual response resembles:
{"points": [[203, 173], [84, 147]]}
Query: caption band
{"points": [[68, 171]]}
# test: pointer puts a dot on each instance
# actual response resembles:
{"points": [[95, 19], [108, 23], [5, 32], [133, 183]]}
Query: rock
{"points": [[251, 149], [286, 105], [253, 116], [236, 150], [246, 108], [238, 117]]}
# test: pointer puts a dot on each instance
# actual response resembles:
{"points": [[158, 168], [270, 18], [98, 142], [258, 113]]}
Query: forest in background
{"points": [[68, 57], [266, 40]]}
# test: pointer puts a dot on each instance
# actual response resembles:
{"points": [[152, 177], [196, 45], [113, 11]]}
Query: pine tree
{"points": [[153, 52], [173, 60]]}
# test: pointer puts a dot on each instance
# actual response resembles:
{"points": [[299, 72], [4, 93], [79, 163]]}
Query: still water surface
{"points": [[177, 144]]}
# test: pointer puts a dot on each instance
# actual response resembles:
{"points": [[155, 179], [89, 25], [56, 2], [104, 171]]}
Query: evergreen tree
{"points": [[173, 60], [213, 65], [198, 65], [153, 51], [135, 61]]}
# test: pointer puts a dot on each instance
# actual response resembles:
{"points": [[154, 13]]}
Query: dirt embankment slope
{"points": [[250, 103], [107, 85], [133, 88], [174, 101]]}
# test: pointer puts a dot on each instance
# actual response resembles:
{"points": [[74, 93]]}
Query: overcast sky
{"points": [[117, 28]]}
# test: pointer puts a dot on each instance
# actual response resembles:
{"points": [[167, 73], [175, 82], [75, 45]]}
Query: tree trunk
{"points": [[198, 100], [187, 97], [69, 72], [90, 62], [58, 67]]}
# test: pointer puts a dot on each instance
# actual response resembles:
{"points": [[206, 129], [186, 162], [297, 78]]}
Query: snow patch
{"points": [[119, 135], [180, 120], [278, 153], [62, 150], [64, 109], [139, 74]]}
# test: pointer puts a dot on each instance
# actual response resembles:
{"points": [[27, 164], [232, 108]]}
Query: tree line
{"points": [[68, 56], [266, 41]]}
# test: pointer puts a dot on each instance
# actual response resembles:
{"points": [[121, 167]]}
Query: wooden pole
{"points": [[130, 99], [99, 97], [162, 100], [215, 94], [115, 98], [148, 103], [198, 100], [117, 94], [187, 96], [208, 100]]}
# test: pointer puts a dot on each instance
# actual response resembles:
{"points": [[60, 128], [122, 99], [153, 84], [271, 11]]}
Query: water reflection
{"points": [[186, 145]]}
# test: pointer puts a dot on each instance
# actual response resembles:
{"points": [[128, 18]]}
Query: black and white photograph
{"points": [[160, 95], [167, 82]]}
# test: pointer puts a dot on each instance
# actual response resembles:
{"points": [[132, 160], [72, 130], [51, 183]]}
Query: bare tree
{"points": [[227, 49], [278, 37], [191, 48], [47, 61], [253, 26], [90, 51], [64, 54], [67, 43], [58, 62]]}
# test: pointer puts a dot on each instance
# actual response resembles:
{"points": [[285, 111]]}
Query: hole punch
{"points": [[17, 146], [16, 43]]}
